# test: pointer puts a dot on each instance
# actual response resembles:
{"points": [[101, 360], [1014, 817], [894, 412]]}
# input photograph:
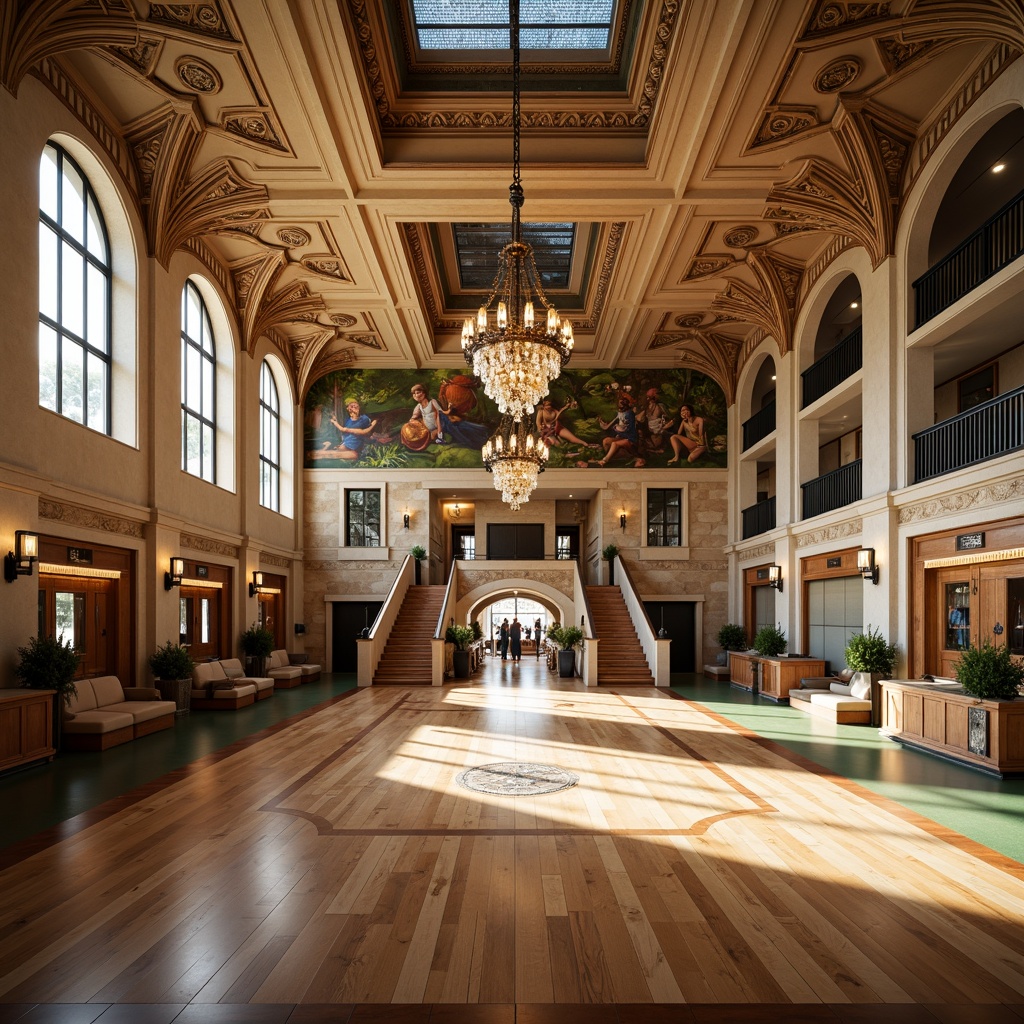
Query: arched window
{"points": [[74, 294], [270, 441], [198, 386]]}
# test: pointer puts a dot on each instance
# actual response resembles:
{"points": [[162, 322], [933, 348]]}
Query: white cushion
{"points": [[841, 688], [861, 687]]}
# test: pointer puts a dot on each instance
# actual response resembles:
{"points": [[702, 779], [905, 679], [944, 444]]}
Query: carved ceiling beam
{"points": [[1001, 20], [292, 304], [771, 302], [709, 352], [30, 32]]}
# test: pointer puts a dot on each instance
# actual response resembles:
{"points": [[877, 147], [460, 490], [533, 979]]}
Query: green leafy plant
{"points": [[171, 661], [567, 637], [478, 631], [257, 642], [609, 552], [461, 636], [732, 637], [990, 673], [770, 641], [870, 652], [49, 663], [418, 552]]}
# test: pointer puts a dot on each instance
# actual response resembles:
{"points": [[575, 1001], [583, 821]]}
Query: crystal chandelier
{"points": [[514, 356], [515, 456]]}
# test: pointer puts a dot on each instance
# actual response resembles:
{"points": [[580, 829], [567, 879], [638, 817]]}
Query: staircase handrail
{"points": [[589, 653], [656, 649], [437, 641], [370, 650]]}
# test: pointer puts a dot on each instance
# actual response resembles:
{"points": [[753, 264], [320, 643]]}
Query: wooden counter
{"points": [[773, 677], [26, 727]]}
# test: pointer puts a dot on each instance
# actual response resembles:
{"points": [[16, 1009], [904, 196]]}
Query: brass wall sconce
{"points": [[622, 520], [257, 586], [866, 565], [19, 562], [173, 576], [775, 577]]}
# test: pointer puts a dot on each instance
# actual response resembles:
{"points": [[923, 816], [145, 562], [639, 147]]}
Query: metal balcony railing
{"points": [[832, 490], [844, 360], [987, 431], [760, 425], [999, 241], [759, 518]]}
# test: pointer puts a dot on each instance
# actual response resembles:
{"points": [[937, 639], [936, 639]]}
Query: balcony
{"points": [[833, 490], [833, 368], [985, 432], [759, 426], [759, 518], [998, 242]]}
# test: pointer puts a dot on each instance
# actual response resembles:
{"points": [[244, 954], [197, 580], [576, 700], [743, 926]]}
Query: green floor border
{"points": [[988, 810]]}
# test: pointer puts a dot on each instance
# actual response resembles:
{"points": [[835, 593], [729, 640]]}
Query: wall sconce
{"points": [[454, 512], [622, 520], [775, 577], [257, 585], [866, 565], [405, 521], [19, 562], [172, 578]]}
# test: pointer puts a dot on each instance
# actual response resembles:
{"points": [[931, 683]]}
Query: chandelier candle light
{"points": [[515, 456], [516, 357]]}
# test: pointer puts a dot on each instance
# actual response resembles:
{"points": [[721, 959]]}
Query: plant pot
{"points": [[178, 690], [460, 663], [254, 665], [419, 571], [567, 664]]}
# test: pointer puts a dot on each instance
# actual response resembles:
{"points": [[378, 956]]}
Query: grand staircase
{"points": [[621, 660], [407, 658]]}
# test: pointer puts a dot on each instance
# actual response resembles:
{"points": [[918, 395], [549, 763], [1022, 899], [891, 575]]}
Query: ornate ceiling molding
{"points": [[831, 16], [997, 20], [710, 352]]}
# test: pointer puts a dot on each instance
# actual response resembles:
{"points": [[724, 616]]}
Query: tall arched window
{"points": [[198, 386], [270, 441], [74, 294]]}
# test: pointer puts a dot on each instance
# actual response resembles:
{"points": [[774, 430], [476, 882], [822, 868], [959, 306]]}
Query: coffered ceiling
{"points": [[713, 158]]}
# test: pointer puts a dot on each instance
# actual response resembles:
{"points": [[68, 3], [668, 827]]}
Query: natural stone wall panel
{"points": [[470, 579]]}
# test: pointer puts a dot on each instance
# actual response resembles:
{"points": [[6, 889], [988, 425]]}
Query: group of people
{"points": [[625, 438], [510, 638]]}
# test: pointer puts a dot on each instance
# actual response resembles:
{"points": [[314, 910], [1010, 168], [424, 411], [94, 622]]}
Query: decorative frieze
{"points": [[90, 519], [838, 531], [267, 558], [948, 504], [208, 546]]}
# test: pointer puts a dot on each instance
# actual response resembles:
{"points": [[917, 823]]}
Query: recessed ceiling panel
{"points": [[477, 247]]}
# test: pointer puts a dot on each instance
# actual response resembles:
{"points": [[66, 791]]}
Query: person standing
{"points": [[503, 639], [515, 636], [536, 633]]}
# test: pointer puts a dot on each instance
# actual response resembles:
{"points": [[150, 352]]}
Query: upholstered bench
{"points": [[842, 699], [283, 672], [233, 670], [213, 690], [105, 714]]}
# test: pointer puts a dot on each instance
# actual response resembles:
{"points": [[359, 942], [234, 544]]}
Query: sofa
{"points": [[287, 673], [214, 690], [844, 698], [233, 670], [105, 714]]}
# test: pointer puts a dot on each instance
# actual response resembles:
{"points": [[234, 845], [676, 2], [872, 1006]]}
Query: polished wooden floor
{"points": [[332, 869]]}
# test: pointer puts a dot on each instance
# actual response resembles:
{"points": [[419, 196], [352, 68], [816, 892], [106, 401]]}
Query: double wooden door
{"points": [[970, 604], [83, 610]]}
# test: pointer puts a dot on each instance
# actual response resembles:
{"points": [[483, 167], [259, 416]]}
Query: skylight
{"points": [[477, 247], [484, 25]]}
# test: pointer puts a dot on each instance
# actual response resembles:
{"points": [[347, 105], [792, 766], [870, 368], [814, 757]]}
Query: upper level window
{"points": [[270, 441], [362, 518], [664, 518], [198, 374], [74, 294]]}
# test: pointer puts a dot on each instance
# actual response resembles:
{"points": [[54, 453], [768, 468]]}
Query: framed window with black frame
{"points": [[362, 518], [664, 517]]}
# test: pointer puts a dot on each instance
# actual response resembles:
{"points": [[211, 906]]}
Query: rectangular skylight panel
{"points": [[484, 24]]}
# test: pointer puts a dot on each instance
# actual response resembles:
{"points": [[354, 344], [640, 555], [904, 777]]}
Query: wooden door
{"points": [[953, 611], [82, 609], [1001, 616], [200, 617]]}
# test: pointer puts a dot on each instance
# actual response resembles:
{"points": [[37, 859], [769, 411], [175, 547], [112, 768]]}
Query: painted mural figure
{"points": [[623, 437], [353, 431], [432, 424], [656, 418], [550, 427], [690, 436]]}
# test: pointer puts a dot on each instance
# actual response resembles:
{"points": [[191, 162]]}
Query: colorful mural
{"points": [[412, 419]]}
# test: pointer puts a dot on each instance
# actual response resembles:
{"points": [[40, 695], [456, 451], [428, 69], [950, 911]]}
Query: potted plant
{"points": [[50, 663], [461, 637], [871, 658], [568, 639], [418, 552], [770, 642], [257, 643], [990, 673], [172, 670], [608, 553], [731, 637]]}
